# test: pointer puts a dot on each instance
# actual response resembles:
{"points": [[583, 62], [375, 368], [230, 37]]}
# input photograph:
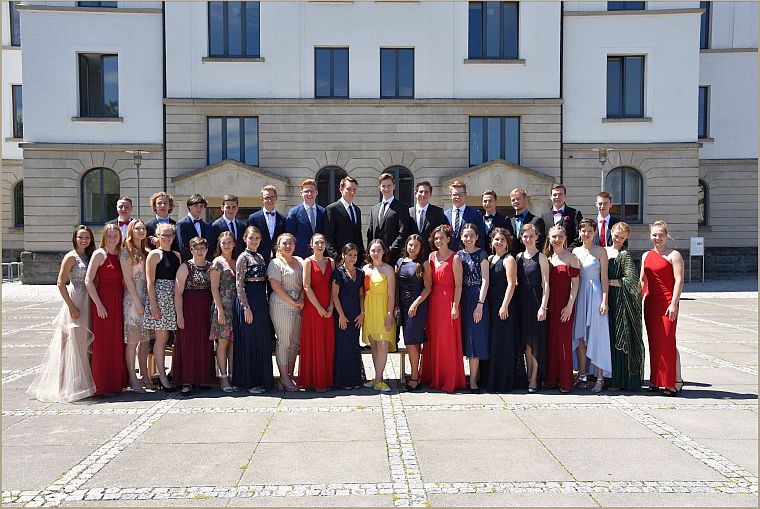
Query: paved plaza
{"points": [[362, 448]]}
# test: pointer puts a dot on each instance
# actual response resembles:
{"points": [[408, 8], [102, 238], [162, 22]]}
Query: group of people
{"points": [[527, 300]]}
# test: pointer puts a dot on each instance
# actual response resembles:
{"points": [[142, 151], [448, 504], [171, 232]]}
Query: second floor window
{"points": [[704, 112], [493, 30], [494, 138], [397, 72], [18, 117], [233, 29], [625, 6], [235, 138], [331, 72], [15, 25], [625, 87], [704, 26], [98, 85]]}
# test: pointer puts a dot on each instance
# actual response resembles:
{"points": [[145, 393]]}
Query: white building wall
{"points": [[650, 6], [733, 25], [291, 30], [53, 40], [671, 45]]}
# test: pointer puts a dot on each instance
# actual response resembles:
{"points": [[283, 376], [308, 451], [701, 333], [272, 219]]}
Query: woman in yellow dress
{"points": [[379, 329]]}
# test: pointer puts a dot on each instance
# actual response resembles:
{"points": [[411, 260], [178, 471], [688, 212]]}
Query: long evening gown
{"points": [[66, 375], [193, 354], [559, 340], [589, 324], [442, 365], [348, 355], [529, 293], [626, 342], [108, 366], [315, 367], [661, 332]]}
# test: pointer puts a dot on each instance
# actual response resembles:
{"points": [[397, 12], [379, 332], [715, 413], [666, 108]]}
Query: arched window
{"points": [[404, 184], [703, 202], [100, 192], [18, 205], [627, 189], [328, 180]]}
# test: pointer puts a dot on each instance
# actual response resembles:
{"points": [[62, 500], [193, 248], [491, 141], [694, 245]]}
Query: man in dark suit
{"points": [[124, 211], [519, 199], [343, 221], [460, 214], [306, 219], [424, 217], [193, 226], [604, 221], [493, 219], [389, 220], [564, 216], [227, 223], [162, 204], [269, 221]]}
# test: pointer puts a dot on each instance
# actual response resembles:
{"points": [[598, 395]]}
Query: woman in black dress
{"points": [[506, 370], [348, 300], [533, 299]]}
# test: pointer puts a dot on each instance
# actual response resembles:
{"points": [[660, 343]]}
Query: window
{"points": [[100, 192], [493, 30], [704, 26], [235, 138], [494, 138], [397, 72], [18, 117], [331, 72], [627, 189], [18, 205], [328, 184], [704, 112], [15, 25], [98, 85], [625, 87], [404, 184], [625, 6], [96, 4], [702, 203], [234, 29]]}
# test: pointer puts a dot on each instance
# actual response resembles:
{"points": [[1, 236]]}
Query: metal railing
{"points": [[9, 268]]}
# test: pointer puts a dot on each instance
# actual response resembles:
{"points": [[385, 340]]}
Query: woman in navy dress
{"points": [[475, 324], [348, 300], [414, 286]]}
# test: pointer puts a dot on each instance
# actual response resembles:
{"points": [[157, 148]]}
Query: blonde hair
{"points": [[548, 248], [106, 229], [278, 243], [136, 253], [459, 184], [660, 224], [620, 225]]}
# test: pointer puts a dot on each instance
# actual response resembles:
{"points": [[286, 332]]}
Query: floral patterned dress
{"points": [[228, 293]]}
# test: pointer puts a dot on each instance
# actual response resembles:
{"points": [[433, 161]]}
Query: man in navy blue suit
{"points": [[460, 214], [306, 219], [162, 204], [269, 221], [227, 223], [193, 226]]}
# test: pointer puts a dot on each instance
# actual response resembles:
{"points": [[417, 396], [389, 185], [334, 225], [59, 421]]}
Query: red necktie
{"points": [[602, 234]]}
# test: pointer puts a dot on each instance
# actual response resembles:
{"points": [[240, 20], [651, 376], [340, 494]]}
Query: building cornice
{"points": [[88, 10], [110, 147], [175, 101], [634, 13], [632, 146], [739, 160], [728, 50]]}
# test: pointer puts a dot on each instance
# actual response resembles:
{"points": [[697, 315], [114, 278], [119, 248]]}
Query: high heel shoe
{"points": [[137, 387], [169, 388], [225, 384], [598, 385], [409, 388]]}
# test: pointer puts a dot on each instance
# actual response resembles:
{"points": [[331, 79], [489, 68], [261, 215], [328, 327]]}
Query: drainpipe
{"points": [[562, 106], [163, 104]]}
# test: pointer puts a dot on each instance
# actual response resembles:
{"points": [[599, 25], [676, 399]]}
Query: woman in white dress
{"points": [[66, 375], [591, 333]]}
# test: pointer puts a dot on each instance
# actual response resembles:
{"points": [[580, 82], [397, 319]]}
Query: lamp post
{"points": [[137, 156], [602, 151]]}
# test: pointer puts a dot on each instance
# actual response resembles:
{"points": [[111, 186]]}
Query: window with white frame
{"points": [[625, 86]]}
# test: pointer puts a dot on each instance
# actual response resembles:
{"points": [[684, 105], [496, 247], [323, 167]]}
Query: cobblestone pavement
{"points": [[361, 448]]}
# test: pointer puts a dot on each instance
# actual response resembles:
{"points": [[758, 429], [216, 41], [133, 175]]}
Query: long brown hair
{"points": [[136, 253], [106, 229], [224, 235], [548, 248], [419, 269], [91, 246]]}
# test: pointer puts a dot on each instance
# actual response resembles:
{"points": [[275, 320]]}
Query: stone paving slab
{"points": [[31, 467], [470, 425], [703, 423], [677, 500], [216, 428], [592, 423], [64, 430], [513, 500], [324, 427]]}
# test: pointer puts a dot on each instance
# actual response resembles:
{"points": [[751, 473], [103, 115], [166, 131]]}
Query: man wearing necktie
{"points": [[162, 204], [460, 214], [492, 218], [604, 221], [523, 216], [563, 215], [389, 220], [228, 222], [124, 211], [425, 217], [343, 221], [192, 225], [306, 219], [269, 221]]}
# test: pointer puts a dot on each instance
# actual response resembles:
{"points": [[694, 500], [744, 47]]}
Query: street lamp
{"points": [[602, 151], [137, 156]]}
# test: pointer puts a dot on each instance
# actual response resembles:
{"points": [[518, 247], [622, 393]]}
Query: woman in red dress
{"points": [[662, 283], [563, 281], [104, 284], [442, 365], [315, 368]]}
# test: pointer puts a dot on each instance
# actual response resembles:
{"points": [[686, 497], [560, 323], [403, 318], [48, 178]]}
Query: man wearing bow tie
{"points": [[492, 218], [162, 204], [425, 217], [124, 210], [269, 221], [389, 219], [192, 226], [564, 216], [519, 199], [343, 221], [227, 223], [306, 219]]}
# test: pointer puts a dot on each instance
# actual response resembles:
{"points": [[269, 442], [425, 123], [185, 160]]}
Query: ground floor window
{"points": [[404, 184], [18, 205], [100, 192], [627, 189], [328, 182]]}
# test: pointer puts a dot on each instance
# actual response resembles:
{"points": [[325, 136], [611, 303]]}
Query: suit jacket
{"points": [[570, 219], [297, 224], [517, 245], [219, 226], [498, 221], [266, 246], [186, 231], [392, 230], [470, 215], [150, 228], [608, 233], [434, 217], [340, 230]]}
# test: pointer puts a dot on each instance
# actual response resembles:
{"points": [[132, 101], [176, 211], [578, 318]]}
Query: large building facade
{"points": [[227, 97]]}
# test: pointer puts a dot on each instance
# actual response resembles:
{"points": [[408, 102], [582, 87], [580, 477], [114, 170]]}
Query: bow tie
{"points": [[163, 220], [123, 223], [487, 217], [196, 221], [556, 212], [269, 213]]}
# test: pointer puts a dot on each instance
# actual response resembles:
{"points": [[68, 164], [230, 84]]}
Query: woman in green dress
{"points": [[627, 346]]}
